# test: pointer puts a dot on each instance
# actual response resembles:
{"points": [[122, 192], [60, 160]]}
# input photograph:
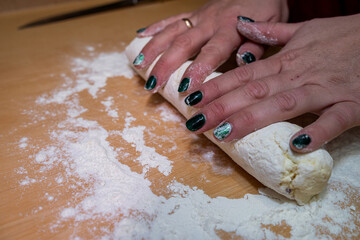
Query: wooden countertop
{"points": [[33, 62]]}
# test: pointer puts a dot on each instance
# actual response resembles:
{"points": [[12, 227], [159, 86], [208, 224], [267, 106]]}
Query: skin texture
{"points": [[316, 71], [214, 37]]}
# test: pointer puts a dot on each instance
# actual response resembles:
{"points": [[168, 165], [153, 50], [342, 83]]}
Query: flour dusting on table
{"points": [[103, 188]]}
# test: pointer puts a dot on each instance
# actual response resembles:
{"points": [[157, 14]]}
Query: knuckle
{"points": [[183, 41], [256, 89], [211, 49], [214, 88], [247, 118], [289, 55], [172, 28], [243, 74], [217, 109], [161, 64], [152, 49], [285, 101], [336, 80], [342, 118], [287, 58]]}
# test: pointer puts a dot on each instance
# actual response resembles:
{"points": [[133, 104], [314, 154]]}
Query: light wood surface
{"points": [[27, 59]]}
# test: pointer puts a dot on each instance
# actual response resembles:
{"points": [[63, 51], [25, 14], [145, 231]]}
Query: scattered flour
{"points": [[167, 114], [217, 164], [110, 191], [108, 103], [90, 75], [149, 157], [23, 142]]}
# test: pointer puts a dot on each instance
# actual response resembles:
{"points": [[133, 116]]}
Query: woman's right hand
{"points": [[317, 71]]}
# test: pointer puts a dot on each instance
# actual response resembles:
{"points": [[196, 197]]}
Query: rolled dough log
{"points": [[266, 153]]}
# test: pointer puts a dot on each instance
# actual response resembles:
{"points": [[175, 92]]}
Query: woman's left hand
{"points": [[317, 71], [208, 33]]}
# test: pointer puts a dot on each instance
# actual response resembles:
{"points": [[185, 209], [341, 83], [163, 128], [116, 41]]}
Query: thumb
{"points": [[268, 33]]}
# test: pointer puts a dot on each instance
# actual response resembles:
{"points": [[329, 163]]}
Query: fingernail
{"points": [[222, 131], [140, 30], [193, 98], [150, 83], [248, 57], [245, 19], [196, 122], [184, 85], [138, 60], [301, 141]]}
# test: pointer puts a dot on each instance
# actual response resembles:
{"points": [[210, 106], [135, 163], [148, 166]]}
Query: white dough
{"points": [[266, 153]]}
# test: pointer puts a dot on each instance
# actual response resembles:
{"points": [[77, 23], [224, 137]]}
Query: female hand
{"points": [[214, 33], [317, 71]]}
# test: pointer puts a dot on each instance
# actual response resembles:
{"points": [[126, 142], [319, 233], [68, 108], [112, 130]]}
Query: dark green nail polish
{"points": [[193, 98], [184, 85], [196, 122], [140, 30], [248, 57], [138, 60], [245, 19], [301, 141], [222, 131], [150, 83]]}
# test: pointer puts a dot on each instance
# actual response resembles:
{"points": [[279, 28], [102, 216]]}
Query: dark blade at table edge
{"points": [[81, 13]]}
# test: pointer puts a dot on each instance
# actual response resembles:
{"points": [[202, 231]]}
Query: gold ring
{"points": [[188, 23]]}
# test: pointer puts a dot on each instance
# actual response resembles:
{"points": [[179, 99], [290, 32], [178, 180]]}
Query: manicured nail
{"points": [[222, 131], [301, 141], [193, 98], [138, 60], [140, 30], [184, 85], [245, 19], [248, 57], [150, 83], [196, 122]]}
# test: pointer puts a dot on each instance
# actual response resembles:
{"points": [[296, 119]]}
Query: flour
{"points": [[90, 75], [218, 165], [149, 157], [23, 142], [167, 115], [108, 103], [252, 31], [104, 189]]}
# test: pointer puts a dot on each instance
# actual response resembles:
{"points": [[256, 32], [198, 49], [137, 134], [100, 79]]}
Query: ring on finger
{"points": [[188, 23]]}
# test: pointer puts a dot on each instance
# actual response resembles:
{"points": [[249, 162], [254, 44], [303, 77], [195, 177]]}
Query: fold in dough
{"points": [[266, 153]]}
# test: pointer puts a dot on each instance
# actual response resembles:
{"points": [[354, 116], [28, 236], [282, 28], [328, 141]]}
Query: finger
{"points": [[241, 98], [159, 43], [249, 52], [183, 47], [282, 106], [161, 25], [234, 79], [211, 56], [334, 121], [268, 33]]}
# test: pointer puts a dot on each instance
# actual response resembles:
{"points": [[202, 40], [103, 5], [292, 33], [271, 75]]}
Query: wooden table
{"points": [[33, 62]]}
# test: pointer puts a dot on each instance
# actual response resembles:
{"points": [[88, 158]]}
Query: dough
{"points": [[266, 153]]}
